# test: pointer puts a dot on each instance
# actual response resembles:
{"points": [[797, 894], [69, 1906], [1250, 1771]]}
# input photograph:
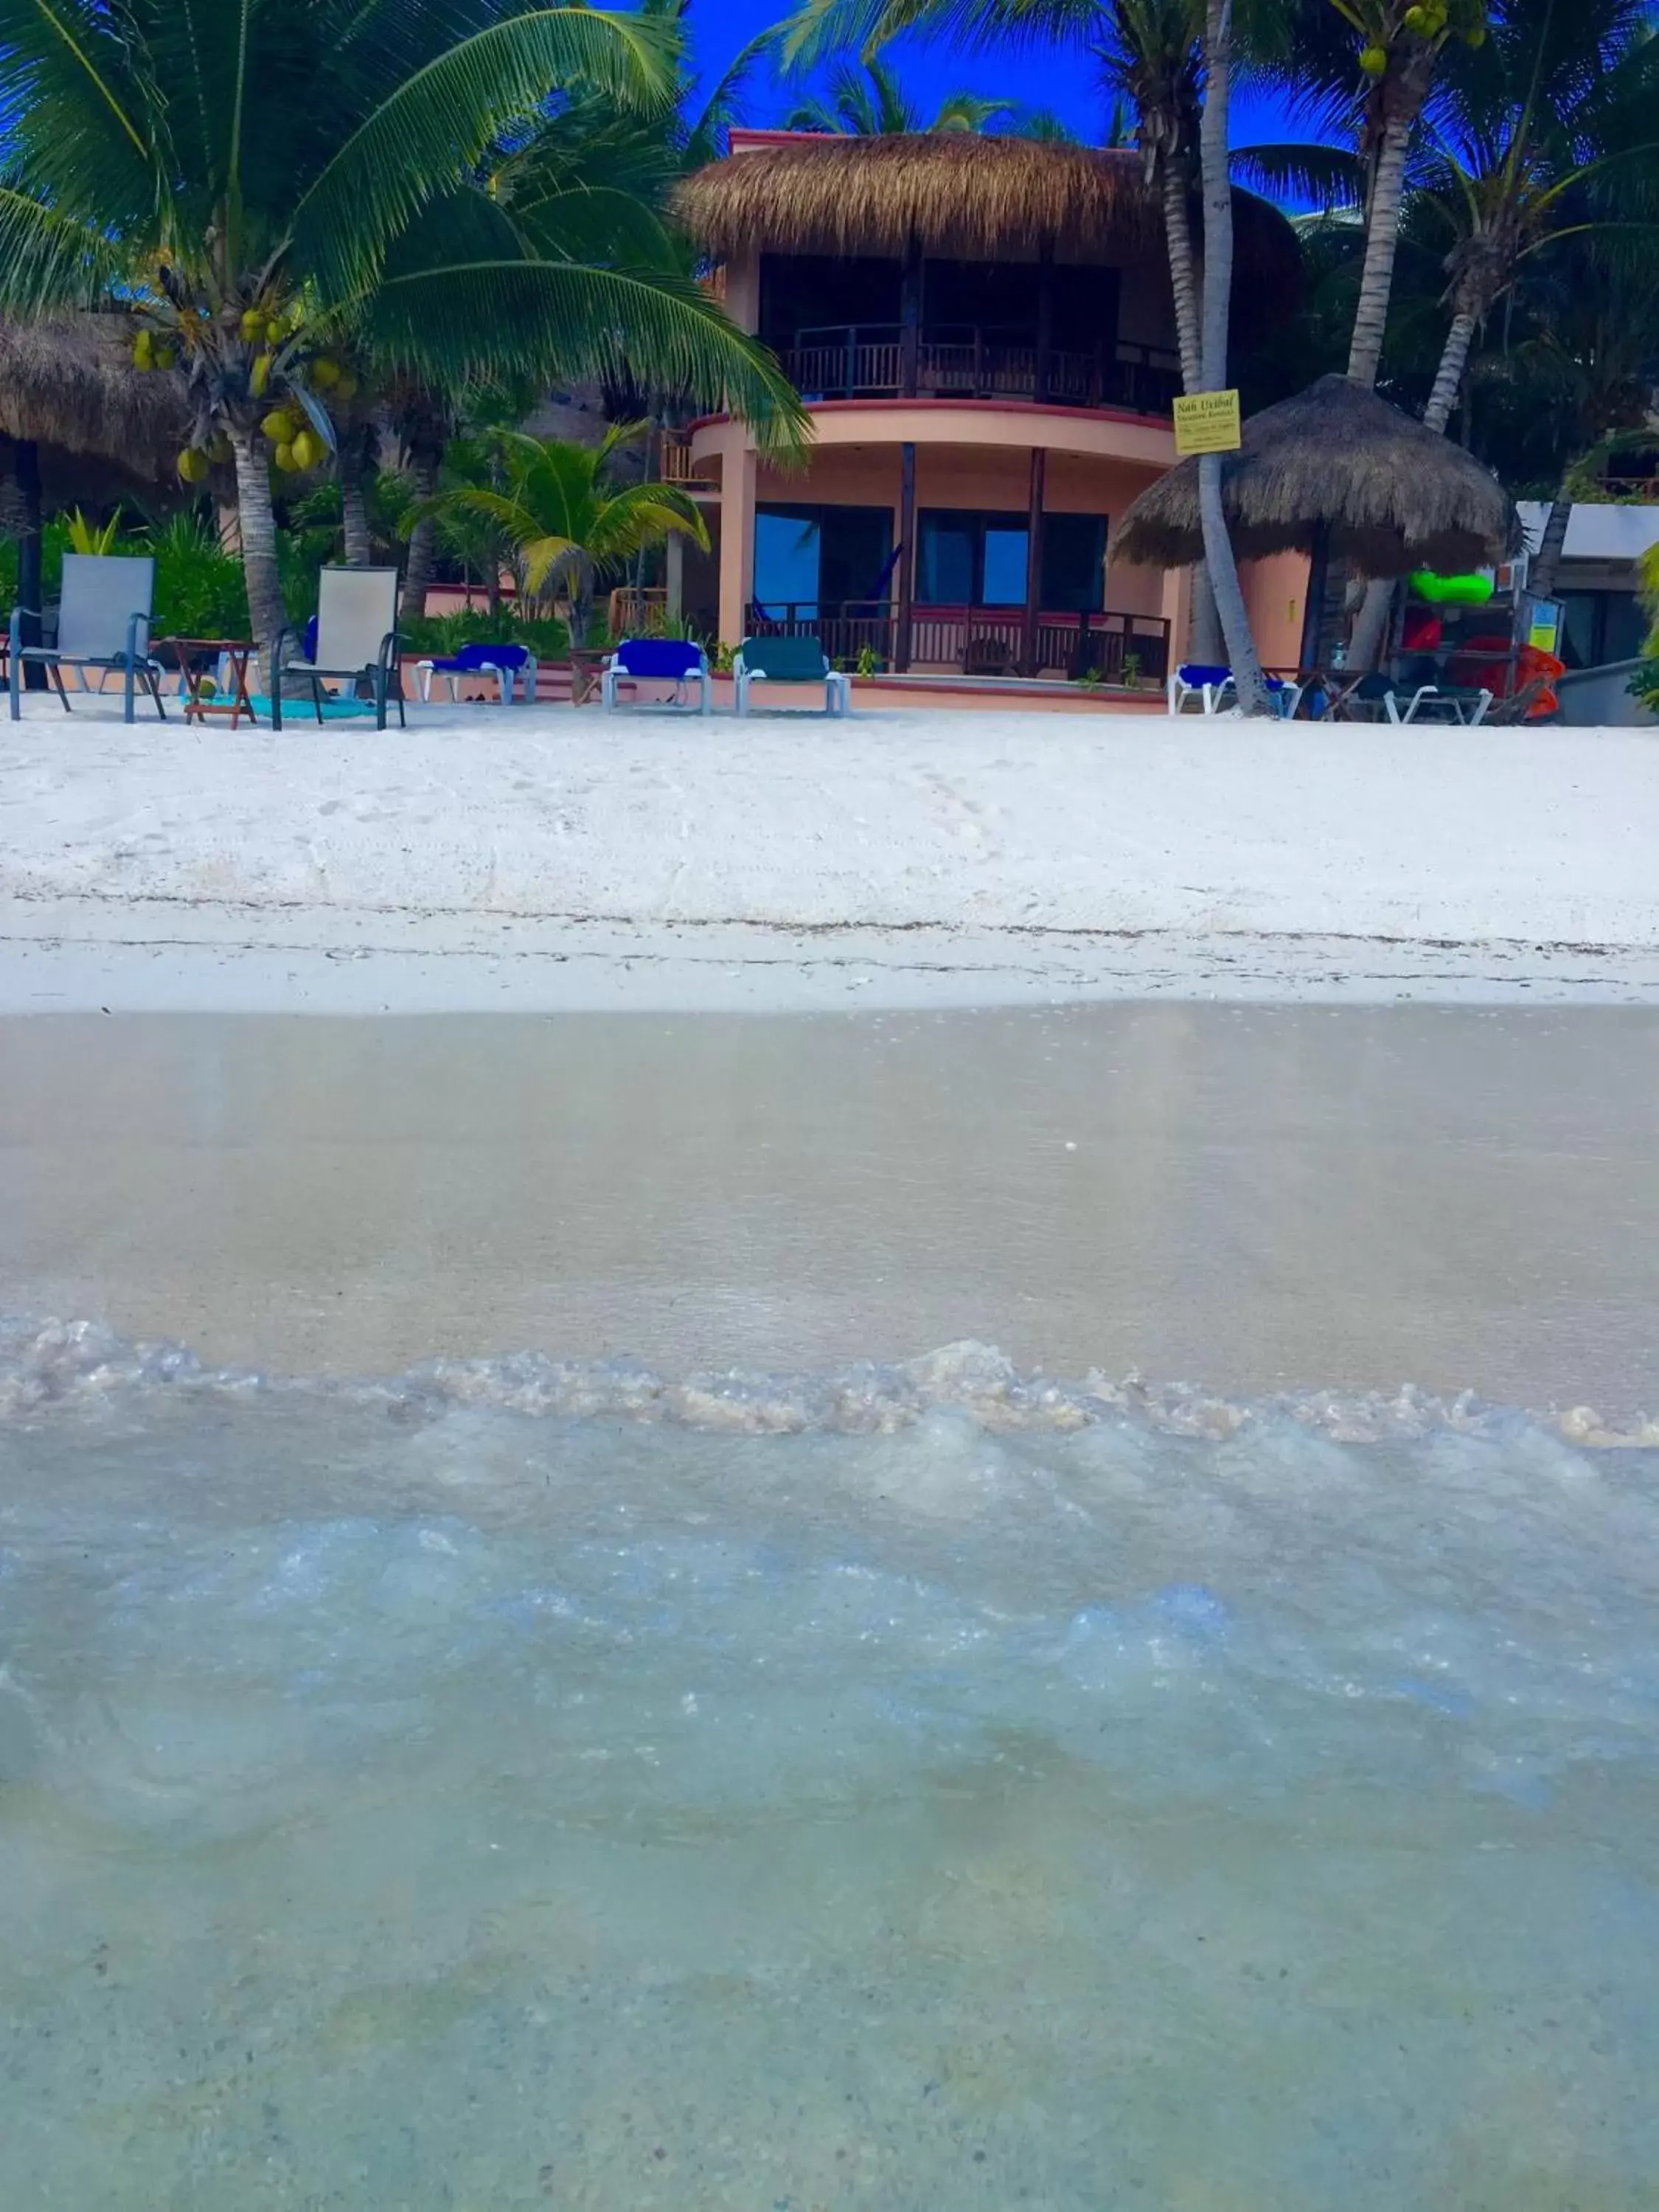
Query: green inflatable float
{"points": [[1451, 591]]}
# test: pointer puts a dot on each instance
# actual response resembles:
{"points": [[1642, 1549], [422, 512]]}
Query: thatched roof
{"points": [[1395, 495], [67, 382], [956, 193]]}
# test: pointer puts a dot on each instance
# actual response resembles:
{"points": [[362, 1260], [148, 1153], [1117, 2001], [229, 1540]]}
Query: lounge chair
{"points": [[1210, 685], [658, 660], [505, 663], [1387, 696], [1217, 693], [789, 661], [356, 640], [103, 622]]}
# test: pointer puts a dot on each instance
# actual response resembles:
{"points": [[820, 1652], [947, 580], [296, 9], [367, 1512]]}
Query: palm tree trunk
{"points": [[1449, 377], [1542, 574], [1217, 298], [1371, 625], [422, 539], [1183, 265], [353, 509], [258, 519], [1206, 644], [1381, 244]]}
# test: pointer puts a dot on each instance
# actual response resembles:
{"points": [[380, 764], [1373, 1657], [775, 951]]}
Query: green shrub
{"points": [[435, 637]]}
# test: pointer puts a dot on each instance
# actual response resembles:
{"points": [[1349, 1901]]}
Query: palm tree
{"points": [[261, 185], [1523, 151], [562, 520], [1372, 63], [1217, 171], [865, 100]]}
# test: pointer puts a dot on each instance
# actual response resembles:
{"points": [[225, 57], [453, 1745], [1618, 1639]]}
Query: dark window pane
{"points": [[1004, 578], [785, 560], [945, 565], [1579, 645], [1625, 628], [1074, 563], [857, 542]]}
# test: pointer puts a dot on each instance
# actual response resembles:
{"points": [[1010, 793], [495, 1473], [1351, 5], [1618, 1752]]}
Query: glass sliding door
{"points": [[970, 558]]}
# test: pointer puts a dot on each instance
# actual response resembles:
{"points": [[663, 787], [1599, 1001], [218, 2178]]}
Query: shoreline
{"points": [[105, 956], [1252, 1199]]}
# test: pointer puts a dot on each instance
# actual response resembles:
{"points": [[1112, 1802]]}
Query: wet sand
{"points": [[1250, 1198]]}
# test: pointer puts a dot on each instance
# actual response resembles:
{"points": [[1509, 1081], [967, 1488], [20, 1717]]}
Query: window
{"points": [[964, 559], [1074, 563], [786, 560], [1597, 627], [814, 558]]}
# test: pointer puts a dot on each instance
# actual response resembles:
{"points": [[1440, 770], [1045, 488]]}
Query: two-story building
{"points": [[983, 330]]}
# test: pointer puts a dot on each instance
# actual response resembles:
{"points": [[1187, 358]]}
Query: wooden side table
{"points": [[238, 651]]}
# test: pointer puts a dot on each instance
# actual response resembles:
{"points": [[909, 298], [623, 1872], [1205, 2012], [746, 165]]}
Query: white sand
{"points": [[543, 859]]}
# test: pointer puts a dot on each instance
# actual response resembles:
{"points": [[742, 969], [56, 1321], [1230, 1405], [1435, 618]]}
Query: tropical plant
{"points": [[865, 100], [271, 188], [564, 521], [85, 537]]}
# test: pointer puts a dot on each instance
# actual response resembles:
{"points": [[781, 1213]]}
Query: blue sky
{"points": [[1057, 82]]}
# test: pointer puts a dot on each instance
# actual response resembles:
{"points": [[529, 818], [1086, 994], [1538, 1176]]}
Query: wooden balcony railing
{"points": [[976, 641], [678, 467], [874, 361]]}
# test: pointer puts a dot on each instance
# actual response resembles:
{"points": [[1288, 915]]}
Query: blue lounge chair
{"points": [[505, 663], [1214, 689], [658, 660]]}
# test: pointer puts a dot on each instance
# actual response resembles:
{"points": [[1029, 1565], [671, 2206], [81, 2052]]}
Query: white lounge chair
{"points": [[1213, 687], [356, 640], [1217, 693], [103, 622]]}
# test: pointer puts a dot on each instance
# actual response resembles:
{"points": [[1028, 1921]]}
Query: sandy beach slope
{"points": [[541, 859]]}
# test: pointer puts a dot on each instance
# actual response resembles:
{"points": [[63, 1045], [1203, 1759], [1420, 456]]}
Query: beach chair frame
{"points": [[102, 622], [357, 642]]}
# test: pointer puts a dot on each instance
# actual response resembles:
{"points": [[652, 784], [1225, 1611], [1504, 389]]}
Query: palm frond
{"points": [[545, 320], [1318, 176], [442, 120]]}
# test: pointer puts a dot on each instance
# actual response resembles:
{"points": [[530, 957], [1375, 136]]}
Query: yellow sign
{"points": [[1207, 423]]}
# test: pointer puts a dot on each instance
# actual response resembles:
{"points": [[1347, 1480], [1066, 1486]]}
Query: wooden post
{"points": [[30, 585], [910, 319], [1034, 558], [1313, 612], [907, 554], [1045, 329]]}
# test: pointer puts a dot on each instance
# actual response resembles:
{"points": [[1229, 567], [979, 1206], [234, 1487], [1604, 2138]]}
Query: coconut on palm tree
{"points": [[264, 188], [561, 520]]}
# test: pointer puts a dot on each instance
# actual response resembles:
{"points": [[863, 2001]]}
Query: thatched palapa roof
{"points": [[1395, 494], [956, 193], [67, 382]]}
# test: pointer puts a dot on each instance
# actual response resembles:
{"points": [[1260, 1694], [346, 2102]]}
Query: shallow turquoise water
{"points": [[833, 1792]]}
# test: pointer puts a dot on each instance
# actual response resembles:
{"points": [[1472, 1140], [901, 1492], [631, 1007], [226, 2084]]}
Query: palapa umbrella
{"points": [[81, 421], [1333, 471], [68, 387]]}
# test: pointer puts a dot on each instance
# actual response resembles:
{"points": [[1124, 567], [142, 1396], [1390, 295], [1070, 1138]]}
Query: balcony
{"points": [[881, 360], [987, 641]]}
